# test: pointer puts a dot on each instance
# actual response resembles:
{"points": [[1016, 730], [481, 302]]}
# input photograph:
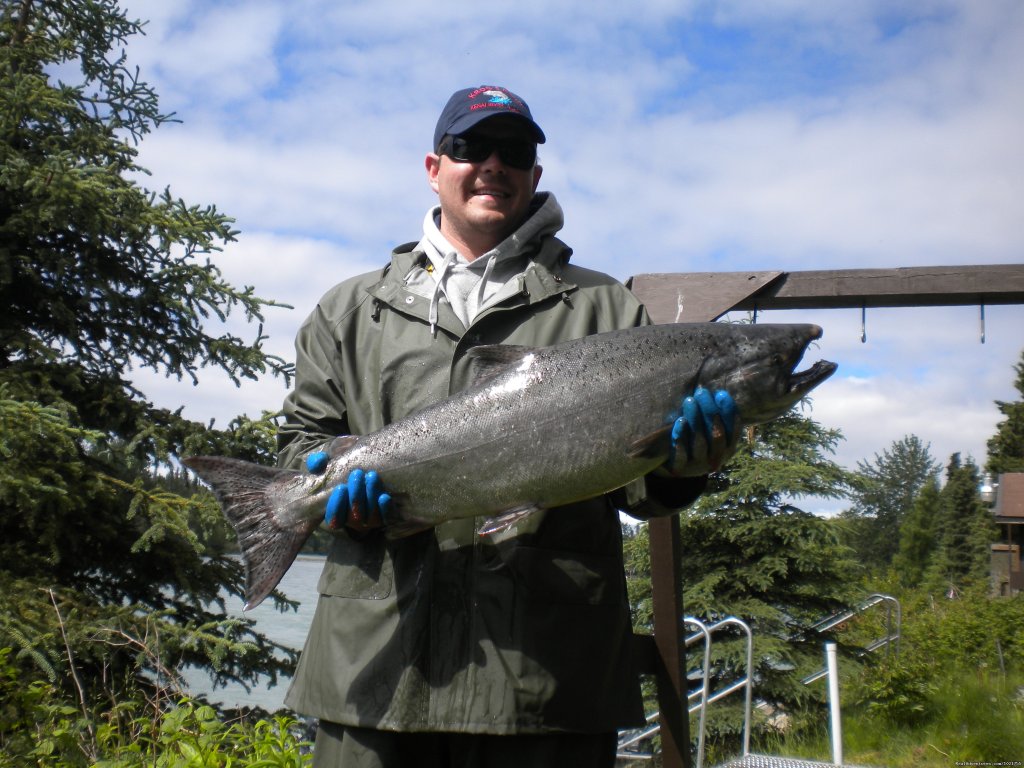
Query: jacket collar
{"points": [[543, 278]]}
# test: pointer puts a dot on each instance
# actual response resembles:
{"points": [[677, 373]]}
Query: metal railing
{"points": [[894, 613], [703, 694]]}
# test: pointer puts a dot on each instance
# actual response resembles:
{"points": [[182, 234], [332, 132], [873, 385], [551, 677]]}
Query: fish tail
{"points": [[248, 494]]}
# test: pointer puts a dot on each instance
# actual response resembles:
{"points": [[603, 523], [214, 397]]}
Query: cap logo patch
{"points": [[498, 98]]}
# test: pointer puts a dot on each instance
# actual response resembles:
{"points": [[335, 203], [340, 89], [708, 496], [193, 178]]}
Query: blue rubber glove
{"points": [[316, 462], [359, 503], [705, 434]]}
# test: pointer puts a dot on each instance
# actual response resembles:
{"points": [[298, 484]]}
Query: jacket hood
{"points": [[471, 286]]}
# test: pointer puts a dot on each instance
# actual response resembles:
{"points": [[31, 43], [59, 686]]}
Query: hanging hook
{"points": [[982, 308], [863, 323], [755, 314]]}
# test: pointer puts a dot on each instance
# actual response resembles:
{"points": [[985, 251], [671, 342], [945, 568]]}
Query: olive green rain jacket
{"points": [[446, 630]]}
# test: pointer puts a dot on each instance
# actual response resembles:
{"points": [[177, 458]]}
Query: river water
{"points": [[288, 629]]}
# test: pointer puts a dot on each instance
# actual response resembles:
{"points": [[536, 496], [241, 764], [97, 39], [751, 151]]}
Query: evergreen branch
{"points": [[90, 748], [99, 276]]}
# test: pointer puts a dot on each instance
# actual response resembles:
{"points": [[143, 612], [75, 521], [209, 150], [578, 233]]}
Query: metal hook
{"points": [[982, 307], [755, 314], [863, 323]]}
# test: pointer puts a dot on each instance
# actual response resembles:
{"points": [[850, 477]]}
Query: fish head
{"points": [[756, 365]]}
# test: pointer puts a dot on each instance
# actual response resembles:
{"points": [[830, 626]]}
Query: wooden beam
{"points": [[697, 297], [832, 289]]}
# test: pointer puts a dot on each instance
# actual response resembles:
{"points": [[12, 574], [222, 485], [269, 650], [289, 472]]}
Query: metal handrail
{"points": [[871, 601], [703, 693], [638, 737], [704, 697], [890, 638]]}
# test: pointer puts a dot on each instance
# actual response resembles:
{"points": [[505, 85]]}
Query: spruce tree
{"points": [[918, 535], [107, 580], [888, 487], [750, 551], [965, 533], [1006, 446]]}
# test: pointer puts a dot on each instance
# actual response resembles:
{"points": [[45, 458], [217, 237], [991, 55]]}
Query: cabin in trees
{"points": [[1007, 575]]}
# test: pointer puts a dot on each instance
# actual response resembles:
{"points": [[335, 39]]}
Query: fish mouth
{"points": [[801, 382]]}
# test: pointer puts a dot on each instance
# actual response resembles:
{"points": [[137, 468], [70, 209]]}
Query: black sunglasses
{"points": [[515, 153]]}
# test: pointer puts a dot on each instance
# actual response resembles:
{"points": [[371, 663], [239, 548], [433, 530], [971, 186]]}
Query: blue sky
{"points": [[683, 136]]}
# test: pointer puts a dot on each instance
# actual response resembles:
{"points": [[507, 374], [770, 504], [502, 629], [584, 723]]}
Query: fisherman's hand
{"points": [[316, 462], [359, 504], [705, 436]]}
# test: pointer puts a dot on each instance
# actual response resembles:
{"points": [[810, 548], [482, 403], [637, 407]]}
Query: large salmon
{"points": [[539, 428]]}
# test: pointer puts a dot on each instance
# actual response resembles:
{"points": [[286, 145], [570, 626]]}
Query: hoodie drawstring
{"points": [[435, 299]]}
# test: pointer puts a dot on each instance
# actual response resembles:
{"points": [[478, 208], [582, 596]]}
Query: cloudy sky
{"points": [[683, 136]]}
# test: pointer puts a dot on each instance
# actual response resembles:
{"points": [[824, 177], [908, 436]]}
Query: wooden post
{"points": [[669, 641]]}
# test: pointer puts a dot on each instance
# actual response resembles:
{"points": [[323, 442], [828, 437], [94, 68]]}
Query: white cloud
{"points": [[210, 53], [789, 134], [921, 371]]}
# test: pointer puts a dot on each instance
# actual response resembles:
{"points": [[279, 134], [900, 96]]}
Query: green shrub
{"points": [[896, 691], [955, 691], [41, 727]]}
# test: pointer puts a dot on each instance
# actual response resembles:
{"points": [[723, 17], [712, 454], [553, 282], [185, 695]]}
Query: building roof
{"points": [[1009, 507]]}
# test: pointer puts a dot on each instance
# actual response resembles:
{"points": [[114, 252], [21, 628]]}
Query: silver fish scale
{"points": [[556, 426], [550, 427], [506, 448]]}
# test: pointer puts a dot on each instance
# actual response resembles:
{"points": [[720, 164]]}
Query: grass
{"points": [[971, 718]]}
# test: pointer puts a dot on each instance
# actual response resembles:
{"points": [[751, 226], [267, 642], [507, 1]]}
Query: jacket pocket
{"points": [[358, 569], [567, 578]]}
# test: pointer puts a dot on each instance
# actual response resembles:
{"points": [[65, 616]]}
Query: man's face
{"points": [[483, 202]]}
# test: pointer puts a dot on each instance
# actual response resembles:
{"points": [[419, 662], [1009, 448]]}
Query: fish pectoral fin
{"points": [[491, 359], [506, 519], [651, 446], [398, 524], [409, 527], [341, 444]]}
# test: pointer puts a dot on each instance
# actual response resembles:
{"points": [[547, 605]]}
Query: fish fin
{"points": [[398, 525], [404, 528], [506, 519], [248, 494], [341, 444], [489, 360], [651, 446]]}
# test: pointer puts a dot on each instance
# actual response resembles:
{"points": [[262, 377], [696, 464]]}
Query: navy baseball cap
{"points": [[469, 106]]}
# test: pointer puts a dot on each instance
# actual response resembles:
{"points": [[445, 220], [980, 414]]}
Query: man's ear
{"points": [[432, 163]]}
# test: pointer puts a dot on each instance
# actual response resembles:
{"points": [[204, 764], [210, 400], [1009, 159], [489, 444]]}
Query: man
{"points": [[447, 648]]}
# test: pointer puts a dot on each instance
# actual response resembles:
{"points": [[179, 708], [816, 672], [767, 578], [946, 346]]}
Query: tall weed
{"points": [[955, 691], [41, 727]]}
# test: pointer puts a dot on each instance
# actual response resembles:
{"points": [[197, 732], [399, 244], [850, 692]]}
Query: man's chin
{"points": [[494, 221]]}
